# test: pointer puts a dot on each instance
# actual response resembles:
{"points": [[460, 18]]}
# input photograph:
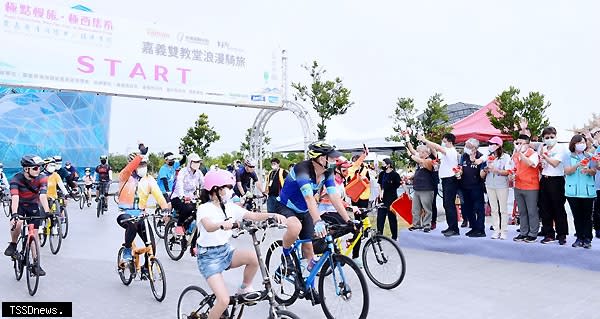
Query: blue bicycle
{"points": [[342, 288]]}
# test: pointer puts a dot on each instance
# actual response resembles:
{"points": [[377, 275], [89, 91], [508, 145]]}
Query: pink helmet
{"points": [[218, 178]]}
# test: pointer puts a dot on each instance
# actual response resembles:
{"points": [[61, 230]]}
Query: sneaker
{"points": [[470, 232], [519, 238], [477, 234], [451, 233], [492, 227], [179, 231], [11, 249], [246, 290], [587, 244], [495, 236], [426, 229], [577, 243], [562, 240], [358, 262], [547, 240], [530, 239], [503, 236], [37, 270], [127, 255], [287, 265], [464, 224]]}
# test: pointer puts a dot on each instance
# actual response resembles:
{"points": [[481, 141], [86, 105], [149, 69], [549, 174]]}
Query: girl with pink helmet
{"points": [[216, 219]]}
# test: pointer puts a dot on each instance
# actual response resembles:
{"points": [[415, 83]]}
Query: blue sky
{"points": [[467, 50]]}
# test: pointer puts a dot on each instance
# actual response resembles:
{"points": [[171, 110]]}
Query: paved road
{"points": [[437, 284]]}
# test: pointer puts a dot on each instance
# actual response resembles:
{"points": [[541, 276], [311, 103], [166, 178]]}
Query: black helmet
{"points": [[320, 148], [31, 161]]}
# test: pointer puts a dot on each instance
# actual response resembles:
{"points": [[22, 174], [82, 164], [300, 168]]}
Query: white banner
{"points": [[45, 45]]}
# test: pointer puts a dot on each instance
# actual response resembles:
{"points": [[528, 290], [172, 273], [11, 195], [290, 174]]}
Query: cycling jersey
{"points": [[167, 174], [102, 172], [29, 191], [301, 182], [132, 186], [244, 177], [54, 181]]}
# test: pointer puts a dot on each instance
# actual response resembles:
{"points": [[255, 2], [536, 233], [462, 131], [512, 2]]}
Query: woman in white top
{"points": [[216, 219], [189, 180]]}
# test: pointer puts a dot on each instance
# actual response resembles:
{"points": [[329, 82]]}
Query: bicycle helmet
{"points": [[31, 161], [103, 157], [218, 178], [87, 169], [320, 148], [57, 159], [49, 160], [250, 162], [342, 162]]}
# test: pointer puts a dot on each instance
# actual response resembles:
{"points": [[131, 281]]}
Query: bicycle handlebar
{"points": [[247, 226], [26, 218]]}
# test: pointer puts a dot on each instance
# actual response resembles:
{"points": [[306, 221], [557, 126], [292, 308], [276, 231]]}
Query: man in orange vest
{"points": [[527, 186]]}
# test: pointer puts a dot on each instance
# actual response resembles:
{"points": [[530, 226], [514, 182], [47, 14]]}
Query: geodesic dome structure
{"points": [[46, 123]]}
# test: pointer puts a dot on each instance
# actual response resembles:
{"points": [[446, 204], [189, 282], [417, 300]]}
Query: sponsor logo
{"points": [[192, 39], [273, 99], [257, 98], [158, 34]]}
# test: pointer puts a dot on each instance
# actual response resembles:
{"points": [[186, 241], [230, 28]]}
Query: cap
{"points": [[495, 140]]}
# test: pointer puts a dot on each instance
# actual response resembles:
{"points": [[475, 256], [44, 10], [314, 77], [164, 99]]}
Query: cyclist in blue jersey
{"points": [[166, 174], [297, 199]]}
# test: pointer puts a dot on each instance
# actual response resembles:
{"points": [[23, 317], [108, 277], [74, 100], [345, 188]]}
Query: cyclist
{"points": [[4, 185], [54, 181], [72, 178], [135, 187], [28, 191], [215, 255], [189, 180], [88, 181], [166, 174], [297, 199], [243, 176], [103, 174]]}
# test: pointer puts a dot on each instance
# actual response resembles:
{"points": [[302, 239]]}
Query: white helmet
{"points": [[193, 158]]}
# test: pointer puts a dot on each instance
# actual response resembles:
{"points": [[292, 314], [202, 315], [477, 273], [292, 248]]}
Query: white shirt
{"points": [[215, 214], [187, 183], [556, 153], [448, 162]]}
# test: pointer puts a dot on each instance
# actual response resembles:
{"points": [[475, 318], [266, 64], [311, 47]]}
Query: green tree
{"points": [[329, 98], [405, 121], [199, 137], [434, 123], [155, 161], [245, 146], [117, 162], [512, 109]]}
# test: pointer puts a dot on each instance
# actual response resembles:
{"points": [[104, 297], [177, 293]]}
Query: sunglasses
{"points": [[251, 166], [35, 168], [197, 162]]}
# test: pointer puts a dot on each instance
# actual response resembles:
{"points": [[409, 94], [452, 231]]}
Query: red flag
{"points": [[403, 208]]}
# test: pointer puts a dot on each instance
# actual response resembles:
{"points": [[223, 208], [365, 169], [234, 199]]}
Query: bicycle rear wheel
{"points": [[99, 207], [55, 235], [43, 232], [126, 270], [82, 201], [33, 278], [65, 222], [175, 245], [6, 207], [284, 287], [343, 291], [158, 279], [159, 224], [18, 263], [194, 303], [383, 262]]}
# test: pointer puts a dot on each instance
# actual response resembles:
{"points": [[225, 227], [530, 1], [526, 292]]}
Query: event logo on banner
{"points": [[49, 46]]}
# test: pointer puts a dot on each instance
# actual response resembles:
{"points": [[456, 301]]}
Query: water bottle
{"points": [[304, 267], [191, 227]]}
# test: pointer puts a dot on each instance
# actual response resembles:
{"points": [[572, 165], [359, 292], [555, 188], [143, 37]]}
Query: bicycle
{"points": [[172, 240], [330, 266], [24, 259], [152, 270], [85, 199], [195, 309], [5, 198], [161, 223], [391, 260], [102, 202], [64, 216], [51, 228]]}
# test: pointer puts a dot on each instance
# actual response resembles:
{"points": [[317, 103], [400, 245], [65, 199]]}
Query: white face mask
{"points": [[142, 171], [195, 166], [468, 151], [580, 147], [493, 148], [228, 194], [551, 142], [51, 168]]}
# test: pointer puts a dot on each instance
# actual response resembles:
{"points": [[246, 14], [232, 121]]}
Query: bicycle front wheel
{"points": [[175, 245], [18, 264], [383, 262], [44, 231], [55, 235], [158, 279], [126, 270], [82, 200], [284, 285], [32, 265], [284, 314], [65, 222], [194, 303], [343, 291], [159, 224]]}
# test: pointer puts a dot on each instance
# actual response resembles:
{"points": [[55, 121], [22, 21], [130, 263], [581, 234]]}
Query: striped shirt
{"points": [[29, 191], [301, 182]]}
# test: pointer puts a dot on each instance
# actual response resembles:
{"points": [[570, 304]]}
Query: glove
{"points": [[143, 149], [320, 227]]}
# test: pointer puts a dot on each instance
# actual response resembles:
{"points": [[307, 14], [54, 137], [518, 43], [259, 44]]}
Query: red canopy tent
{"points": [[477, 125]]}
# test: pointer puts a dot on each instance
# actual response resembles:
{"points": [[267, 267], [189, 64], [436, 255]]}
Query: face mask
{"points": [[195, 166], [274, 166], [67, 167], [468, 151], [87, 173], [142, 171], [58, 166], [170, 163], [493, 148], [50, 168], [580, 147], [228, 194], [524, 148], [551, 142], [102, 162]]}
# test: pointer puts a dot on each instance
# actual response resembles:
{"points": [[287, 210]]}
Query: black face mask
{"points": [[170, 163], [103, 162]]}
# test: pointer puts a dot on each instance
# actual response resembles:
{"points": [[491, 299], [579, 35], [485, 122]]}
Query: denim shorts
{"points": [[214, 260]]}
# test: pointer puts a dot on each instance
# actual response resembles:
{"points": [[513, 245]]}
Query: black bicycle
{"points": [[5, 198], [195, 302], [102, 201], [176, 245], [28, 258]]}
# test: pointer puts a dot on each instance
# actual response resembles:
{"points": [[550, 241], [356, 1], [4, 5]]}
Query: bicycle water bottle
{"points": [[191, 227], [304, 267]]}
